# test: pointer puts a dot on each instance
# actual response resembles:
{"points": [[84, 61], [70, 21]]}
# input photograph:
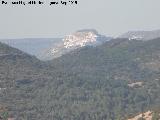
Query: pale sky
{"points": [[108, 17]]}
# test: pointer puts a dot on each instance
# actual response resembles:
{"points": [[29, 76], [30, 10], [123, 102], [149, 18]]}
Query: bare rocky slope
{"points": [[78, 39]]}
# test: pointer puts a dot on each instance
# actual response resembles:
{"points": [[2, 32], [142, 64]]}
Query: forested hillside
{"points": [[109, 82], [16, 69]]}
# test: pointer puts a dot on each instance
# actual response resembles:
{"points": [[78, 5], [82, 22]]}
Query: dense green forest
{"points": [[112, 81]]}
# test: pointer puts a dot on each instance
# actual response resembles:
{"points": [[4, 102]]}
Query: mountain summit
{"points": [[79, 39], [141, 35], [73, 41]]}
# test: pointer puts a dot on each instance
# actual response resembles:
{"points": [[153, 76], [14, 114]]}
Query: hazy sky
{"points": [[109, 17]]}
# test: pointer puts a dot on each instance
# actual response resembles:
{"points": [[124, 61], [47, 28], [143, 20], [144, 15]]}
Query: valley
{"points": [[115, 80]]}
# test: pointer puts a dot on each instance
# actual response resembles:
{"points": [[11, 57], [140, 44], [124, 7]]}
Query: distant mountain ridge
{"points": [[78, 39], [50, 48], [141, 35], [32, 46]]}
